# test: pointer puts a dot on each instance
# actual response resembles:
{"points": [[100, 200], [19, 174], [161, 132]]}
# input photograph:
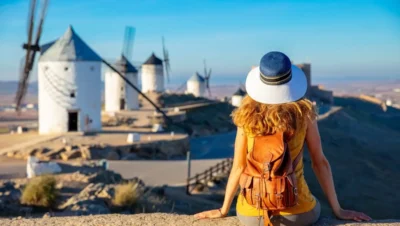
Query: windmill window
{"points": [[92, 68], [66, 69], [46, 68], [72, 94]]}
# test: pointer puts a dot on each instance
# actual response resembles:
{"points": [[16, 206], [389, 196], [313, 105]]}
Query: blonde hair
{"points": [[262, 119]]}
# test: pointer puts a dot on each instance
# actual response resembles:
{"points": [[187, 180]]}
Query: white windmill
{"points": [[152, 72], [69, 79], [196, 85], [238, 96], [118, 96]]}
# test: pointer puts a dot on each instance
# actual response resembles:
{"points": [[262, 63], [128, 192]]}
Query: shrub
{"points": [[40, 191], [126, 194]]}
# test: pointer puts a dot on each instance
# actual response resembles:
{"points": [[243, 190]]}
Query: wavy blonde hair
{"points": [[262, 119]]}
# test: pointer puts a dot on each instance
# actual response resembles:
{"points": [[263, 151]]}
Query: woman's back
{"points": [[306, 201]]}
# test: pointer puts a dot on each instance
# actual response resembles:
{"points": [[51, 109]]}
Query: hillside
{"points": [[362, 143]]}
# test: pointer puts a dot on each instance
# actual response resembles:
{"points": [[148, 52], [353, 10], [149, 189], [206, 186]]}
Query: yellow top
{"points": [[306, 201]]}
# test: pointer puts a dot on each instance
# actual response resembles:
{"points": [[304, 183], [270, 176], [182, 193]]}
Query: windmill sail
{"points": [[31, 50], [207, 75], [166, 59]]}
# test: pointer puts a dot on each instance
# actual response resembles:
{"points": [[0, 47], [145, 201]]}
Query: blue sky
{"points": [[339, 38]]}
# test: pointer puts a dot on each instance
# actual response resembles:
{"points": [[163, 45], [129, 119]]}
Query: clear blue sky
{"points": [[339, 38]]}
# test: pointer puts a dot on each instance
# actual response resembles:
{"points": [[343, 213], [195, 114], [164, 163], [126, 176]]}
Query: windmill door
{"points": [[122, 104], [72, 121]]}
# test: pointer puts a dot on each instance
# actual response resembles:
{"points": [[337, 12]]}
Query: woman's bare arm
{"points": [[322, 170], [239, 163]]}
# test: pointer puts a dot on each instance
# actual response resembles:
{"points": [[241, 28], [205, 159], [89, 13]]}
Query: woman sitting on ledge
{"points": [[276, 109]]}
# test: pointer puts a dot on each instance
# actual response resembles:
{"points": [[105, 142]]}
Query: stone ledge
{"points": [[160, 219]]}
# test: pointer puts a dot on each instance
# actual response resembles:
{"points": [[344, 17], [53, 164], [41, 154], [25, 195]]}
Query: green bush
{"points": [[40, 191], [126, 195]]}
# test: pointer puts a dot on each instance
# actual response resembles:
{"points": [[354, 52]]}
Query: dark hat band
{"points": [[285, 78]]}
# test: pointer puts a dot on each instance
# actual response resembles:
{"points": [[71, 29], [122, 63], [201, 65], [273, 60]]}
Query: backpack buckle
{"points": [[267, 167]]}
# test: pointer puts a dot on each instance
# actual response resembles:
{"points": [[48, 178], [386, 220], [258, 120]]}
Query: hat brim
{"points": [[291, 91]]}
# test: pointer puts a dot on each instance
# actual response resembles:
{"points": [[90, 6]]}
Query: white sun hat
{"points": [[276, 80]]}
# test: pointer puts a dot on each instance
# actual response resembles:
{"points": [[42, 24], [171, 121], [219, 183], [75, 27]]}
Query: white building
{"points": [[237, 97], [196, 85], [69, 79], [389, 102], [118, 94], [152, 75]]}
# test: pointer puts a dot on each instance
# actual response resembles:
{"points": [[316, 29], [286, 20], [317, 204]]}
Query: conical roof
{"points": [[70, 47], [240, 92], [196, 77], [154, 60], [45, 47], [124, 65]]}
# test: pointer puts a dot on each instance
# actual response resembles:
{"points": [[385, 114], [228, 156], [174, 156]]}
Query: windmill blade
{"points": [[24, 73], [205, 68], [31, 50], [166, 58], [129, 38]]}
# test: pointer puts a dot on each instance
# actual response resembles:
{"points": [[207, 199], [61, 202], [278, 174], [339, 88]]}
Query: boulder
{"points": [[105, 176], [67, 155], [53, 154], [88, 201]]}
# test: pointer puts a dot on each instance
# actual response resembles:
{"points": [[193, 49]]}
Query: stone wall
{"points": [[161, 219]]}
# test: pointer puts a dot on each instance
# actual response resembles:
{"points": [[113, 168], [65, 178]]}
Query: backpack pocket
{"points": [[246, 187]]}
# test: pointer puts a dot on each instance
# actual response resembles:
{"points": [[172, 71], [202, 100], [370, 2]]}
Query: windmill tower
{"points": [[196, 85], [118, 95], [238, 96], [69, 86], [152, 75], [152, 72]]}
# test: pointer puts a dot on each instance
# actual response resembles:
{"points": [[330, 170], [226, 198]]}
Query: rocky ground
{"points": [[89, 189], [161, 219], [90, 147]]}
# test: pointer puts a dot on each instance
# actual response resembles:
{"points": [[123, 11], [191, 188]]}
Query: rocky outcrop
{"points": [[10, 193], [162, 219], [91, 200], [160, 150]]}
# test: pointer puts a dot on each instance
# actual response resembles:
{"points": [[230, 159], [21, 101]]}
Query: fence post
{"points": [[188, 172]]}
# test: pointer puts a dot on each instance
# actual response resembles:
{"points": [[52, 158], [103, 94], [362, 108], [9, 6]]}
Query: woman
{"points": [[276, 102]]}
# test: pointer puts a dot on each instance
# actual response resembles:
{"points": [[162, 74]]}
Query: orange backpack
{"points": [[268, 182]]}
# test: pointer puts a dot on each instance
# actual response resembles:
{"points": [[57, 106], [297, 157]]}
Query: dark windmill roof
{"points": [[70, 47], [240, 92], [196, 77], [123, 65], [153, 59]]}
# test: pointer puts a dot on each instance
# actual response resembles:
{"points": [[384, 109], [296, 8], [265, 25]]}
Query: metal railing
{"points": [[210, 174]]}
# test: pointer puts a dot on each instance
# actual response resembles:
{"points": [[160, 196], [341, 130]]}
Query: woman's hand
{"points": [[210, 214], [352, 215]]}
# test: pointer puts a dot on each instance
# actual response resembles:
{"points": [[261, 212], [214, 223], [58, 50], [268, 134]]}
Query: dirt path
{"points": [[158, 219]]}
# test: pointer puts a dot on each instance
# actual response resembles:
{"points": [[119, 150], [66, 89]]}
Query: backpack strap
{"points": [[297, 159]]}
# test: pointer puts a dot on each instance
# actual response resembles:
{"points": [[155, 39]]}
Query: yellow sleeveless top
{"points": [[306, 201]]}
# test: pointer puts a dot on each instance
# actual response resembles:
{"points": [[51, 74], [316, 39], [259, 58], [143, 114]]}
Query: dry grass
{"points": [[40, 191], [126, 195]]}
